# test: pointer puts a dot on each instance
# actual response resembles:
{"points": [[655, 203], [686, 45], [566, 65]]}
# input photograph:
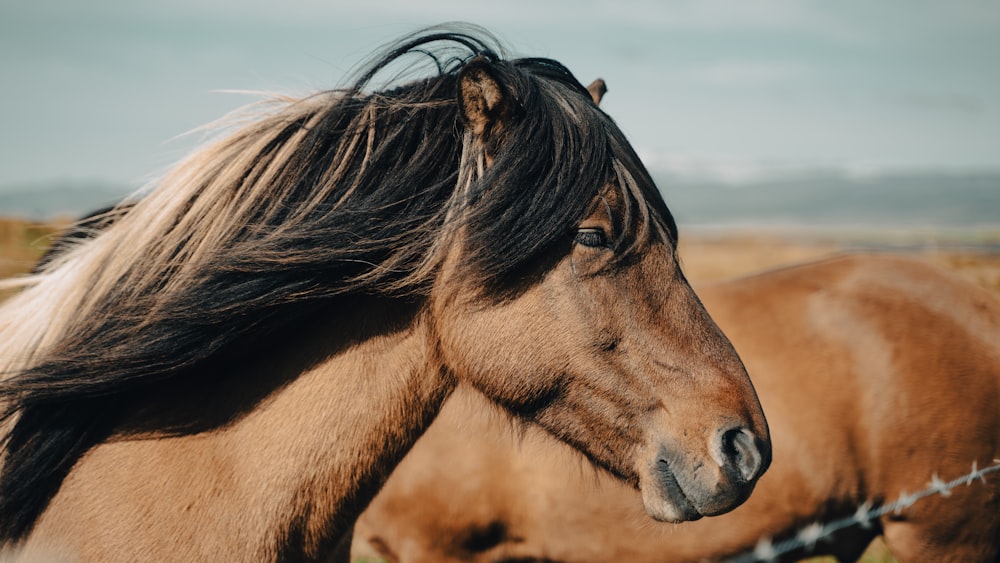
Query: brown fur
{"points": [[876, 373]]}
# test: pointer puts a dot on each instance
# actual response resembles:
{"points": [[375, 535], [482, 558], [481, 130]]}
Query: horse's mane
{"points": [[345, 192]]}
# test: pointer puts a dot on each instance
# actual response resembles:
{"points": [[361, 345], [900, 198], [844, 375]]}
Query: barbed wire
{"points": [[808, 536]]}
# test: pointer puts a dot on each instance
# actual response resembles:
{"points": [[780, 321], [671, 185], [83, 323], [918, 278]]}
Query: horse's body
{"points": [[230, 370], [876, 374]]}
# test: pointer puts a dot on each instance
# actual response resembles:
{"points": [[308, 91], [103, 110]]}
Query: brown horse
{"points": [[877, 373], [231, 368]]}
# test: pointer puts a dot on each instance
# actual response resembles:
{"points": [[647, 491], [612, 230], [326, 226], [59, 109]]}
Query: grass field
{"points": [[21, 243], [712, 257]]}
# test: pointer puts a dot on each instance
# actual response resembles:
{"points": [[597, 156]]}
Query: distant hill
{"points": [[47, 201], [836, 200]]}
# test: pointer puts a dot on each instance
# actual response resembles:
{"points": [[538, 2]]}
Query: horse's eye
{"points": [[594, 238]]}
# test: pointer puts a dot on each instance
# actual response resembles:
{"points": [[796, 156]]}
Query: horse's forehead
{"points": [[611, 194], [610, 199]]}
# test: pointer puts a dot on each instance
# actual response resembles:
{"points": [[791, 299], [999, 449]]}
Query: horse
{"points": [[230, 369], [880, 376]]}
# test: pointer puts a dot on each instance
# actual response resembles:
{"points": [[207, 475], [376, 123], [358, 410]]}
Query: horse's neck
{"points": [[285, 480], [338, 431]]}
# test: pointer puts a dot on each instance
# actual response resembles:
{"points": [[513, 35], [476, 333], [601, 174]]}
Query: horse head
{"points": [[601, 341]]}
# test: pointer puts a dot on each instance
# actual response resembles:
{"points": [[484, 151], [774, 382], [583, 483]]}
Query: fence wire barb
{"points": [[808, 536]]}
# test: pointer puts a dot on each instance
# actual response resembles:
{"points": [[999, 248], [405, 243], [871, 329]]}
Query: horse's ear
{"points": [[597, 90], [481, 98]]}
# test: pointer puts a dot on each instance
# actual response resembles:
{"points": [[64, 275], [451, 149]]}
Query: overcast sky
{"points": [[101, 89]]}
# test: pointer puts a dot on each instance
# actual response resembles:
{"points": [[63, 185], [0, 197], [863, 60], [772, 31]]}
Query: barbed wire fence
{"points": [[807, 537]]}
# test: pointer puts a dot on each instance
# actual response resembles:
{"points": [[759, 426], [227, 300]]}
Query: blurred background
{"points": [[874, 121]]}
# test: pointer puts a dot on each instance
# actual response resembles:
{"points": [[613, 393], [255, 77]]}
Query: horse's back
{"points": [[900, 332], [876, 373]]}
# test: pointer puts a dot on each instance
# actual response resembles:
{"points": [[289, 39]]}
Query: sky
{"points": [[107, 90]]}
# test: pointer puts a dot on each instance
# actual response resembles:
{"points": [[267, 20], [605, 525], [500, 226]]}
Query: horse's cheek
{"points": [[515, 353]]}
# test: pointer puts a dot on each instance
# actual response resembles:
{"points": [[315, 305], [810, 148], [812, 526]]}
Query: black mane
{"points": [[354, 207]]}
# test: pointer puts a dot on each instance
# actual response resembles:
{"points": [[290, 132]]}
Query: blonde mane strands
{"points": [[193, 213]]}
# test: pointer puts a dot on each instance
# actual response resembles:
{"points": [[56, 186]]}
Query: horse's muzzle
{"points": [[680, 487]]}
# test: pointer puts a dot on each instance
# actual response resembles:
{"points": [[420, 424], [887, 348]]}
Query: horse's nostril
{"points": [[740, 453]]}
